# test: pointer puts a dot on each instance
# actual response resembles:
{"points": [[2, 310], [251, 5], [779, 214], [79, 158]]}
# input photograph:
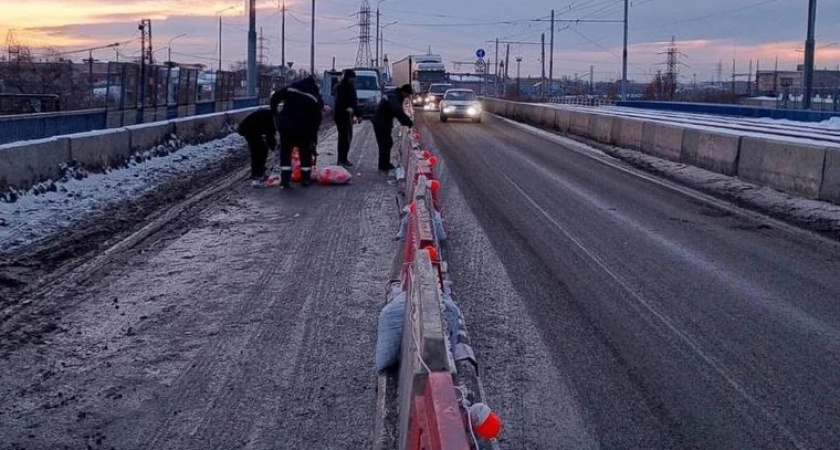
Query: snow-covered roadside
{"points": [[51, 207], [830, 124]]}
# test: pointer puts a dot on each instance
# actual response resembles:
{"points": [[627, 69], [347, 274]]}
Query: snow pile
{"points": [[51, 206], [830, 124]]}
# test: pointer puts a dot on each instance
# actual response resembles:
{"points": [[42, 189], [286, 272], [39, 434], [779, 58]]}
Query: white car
{"points": [[460, 103]]}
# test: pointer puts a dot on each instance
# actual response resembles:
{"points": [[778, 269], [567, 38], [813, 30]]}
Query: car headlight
{"points": [[449, 109]]}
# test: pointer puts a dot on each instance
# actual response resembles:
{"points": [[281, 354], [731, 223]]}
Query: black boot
{"points": [[285, 179], [307, 177]]}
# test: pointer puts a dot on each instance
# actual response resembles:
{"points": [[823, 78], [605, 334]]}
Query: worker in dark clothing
{"points": [[259, 131], [298, 123], [389, 108], [346, 110]]}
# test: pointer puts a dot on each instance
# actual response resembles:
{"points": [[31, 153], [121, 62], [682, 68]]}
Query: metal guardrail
{"points": [[734, 110], [45, 125], [582, 101], [37, 126]]}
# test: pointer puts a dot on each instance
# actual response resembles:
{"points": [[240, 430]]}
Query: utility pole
{"points": [[591, 79], [542, 60], [733, 76], [261, 40], [145, 28], [283, 37], [496, 80], [809, 54], [518, 87], [252, 48], [378, 36], [551, 57], [624, 52], [312, 44], [749, 80], [507, 66]]}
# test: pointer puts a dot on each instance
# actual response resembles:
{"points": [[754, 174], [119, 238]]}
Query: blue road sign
{"points": [[480, 53]]}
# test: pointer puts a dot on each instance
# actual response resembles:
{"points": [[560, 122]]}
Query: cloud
{"points": [[706, 32]]}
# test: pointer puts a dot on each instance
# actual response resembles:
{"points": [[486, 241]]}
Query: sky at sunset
{"points": [[706, 32]]}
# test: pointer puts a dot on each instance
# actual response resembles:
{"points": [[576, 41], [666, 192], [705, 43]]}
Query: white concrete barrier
{"points": [[530, 113], [145, 136], [562, 120], [579, 123], [830, 188], [662, 140], [24, 163], [97, 150], [627, 133], [601, 128], [198, 128], [548, 117], [794, 168], [508, 110], [717, 152]]}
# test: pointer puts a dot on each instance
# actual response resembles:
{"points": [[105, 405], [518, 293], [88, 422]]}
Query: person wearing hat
{"points": [[298, 122], [346, 109], [390, 108]]}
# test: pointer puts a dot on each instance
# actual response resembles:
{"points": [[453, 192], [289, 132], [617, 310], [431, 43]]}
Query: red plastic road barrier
{"points": [[436, 422], [420, 234]]}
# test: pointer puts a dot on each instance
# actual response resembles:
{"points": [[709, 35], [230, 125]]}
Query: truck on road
{"points": [[368, 89], [420, 71]]}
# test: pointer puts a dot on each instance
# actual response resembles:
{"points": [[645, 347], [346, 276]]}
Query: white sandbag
{"points": [[437, 222], [389, 332]]}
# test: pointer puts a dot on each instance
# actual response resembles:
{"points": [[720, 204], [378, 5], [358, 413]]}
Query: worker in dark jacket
{"points": [[298, 122], [346, 110], [389, 108], [259, 131]]}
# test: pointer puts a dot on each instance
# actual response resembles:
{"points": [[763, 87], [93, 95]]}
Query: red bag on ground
{"points": [[331, 175]]}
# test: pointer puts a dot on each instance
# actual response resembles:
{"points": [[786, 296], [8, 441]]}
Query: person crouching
{"points": [[259, 131]]}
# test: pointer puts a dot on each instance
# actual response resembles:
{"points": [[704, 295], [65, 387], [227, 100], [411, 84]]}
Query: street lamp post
{"points": [[219, 13], [378, 31], [518, 86], [312, 44], [169, 48], [381, 42], [169, 66], [809, 54]]}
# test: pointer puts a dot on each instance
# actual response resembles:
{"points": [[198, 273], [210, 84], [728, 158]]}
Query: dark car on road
{"points": [[433, 98]]}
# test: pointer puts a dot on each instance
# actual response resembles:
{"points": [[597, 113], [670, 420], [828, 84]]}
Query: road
{"points": [[612, 311], [248, 321]]}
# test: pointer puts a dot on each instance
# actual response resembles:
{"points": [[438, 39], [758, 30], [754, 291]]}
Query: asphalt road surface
{"points": [[247, 322], [612, 311]]}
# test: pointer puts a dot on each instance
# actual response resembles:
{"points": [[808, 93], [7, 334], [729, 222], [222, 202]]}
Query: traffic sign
{"points": [[480, 66], [480, 53]]}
